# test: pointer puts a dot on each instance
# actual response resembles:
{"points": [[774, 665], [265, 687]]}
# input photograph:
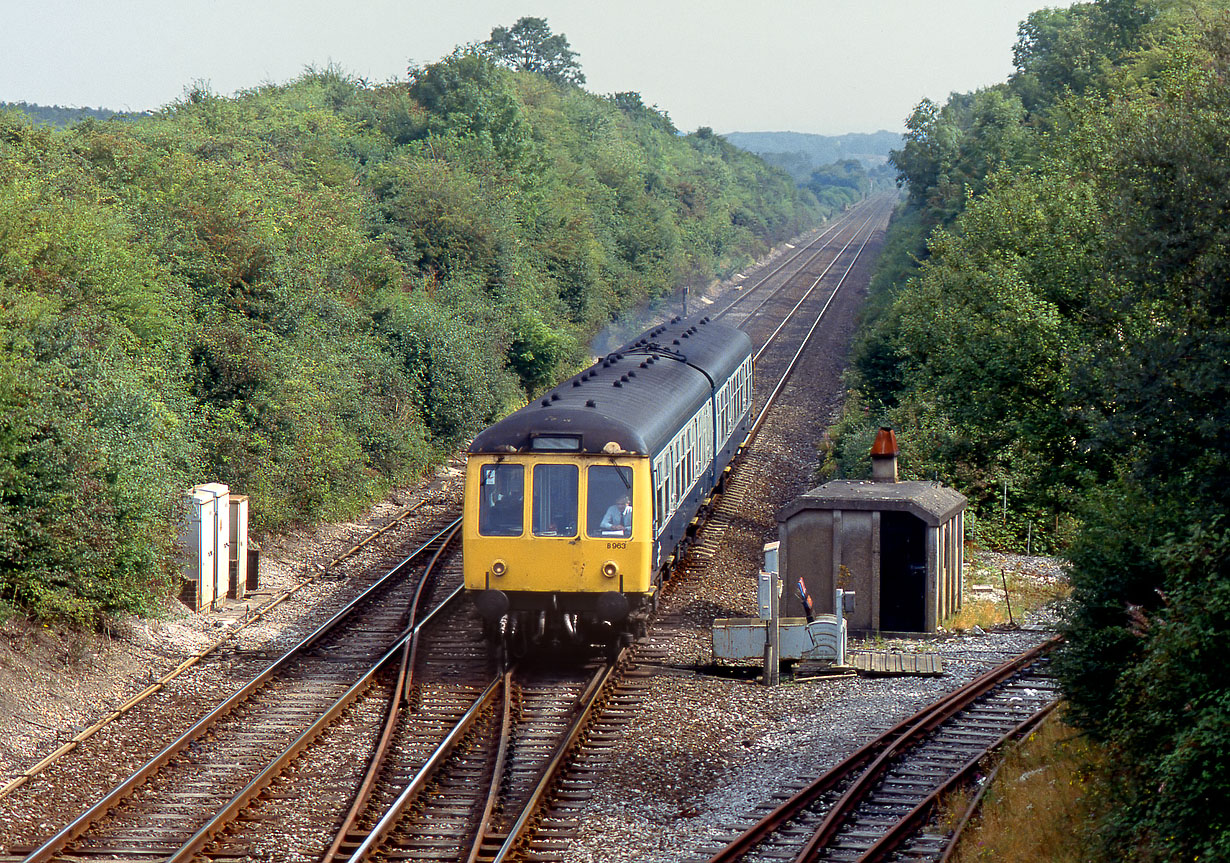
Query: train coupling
{"points": [[491, 604]]}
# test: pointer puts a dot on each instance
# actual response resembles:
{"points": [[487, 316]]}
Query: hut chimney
{"points": [[884, 456]]}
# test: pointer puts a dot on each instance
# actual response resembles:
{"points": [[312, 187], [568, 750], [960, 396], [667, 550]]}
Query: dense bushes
{"points": [[314, 290], [1065, 337]]}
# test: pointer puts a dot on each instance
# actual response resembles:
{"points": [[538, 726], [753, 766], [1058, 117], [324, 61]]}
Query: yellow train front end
{"points": [[559, 546]]}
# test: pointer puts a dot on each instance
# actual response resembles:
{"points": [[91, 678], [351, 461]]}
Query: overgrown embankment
{"points": [[1051, 337], [312, 291]]}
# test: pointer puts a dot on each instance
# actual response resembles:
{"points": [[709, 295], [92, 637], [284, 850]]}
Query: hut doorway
{"points": [[903, 572]]}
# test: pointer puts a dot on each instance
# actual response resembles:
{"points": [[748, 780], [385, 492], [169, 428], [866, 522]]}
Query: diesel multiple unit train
{"points": [[575, 503]]}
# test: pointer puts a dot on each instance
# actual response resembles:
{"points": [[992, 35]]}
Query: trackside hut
{"points": [[898, 545]]}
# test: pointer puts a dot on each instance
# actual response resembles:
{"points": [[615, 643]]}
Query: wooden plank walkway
{"points": [[883, 662]]}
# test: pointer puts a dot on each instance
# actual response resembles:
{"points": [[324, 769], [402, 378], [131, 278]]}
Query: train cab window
{"points": [[501, 500], [608, 507], [555, 499]]}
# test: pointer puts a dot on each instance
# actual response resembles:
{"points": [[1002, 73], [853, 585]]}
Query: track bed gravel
{"points": [[710, 746]]}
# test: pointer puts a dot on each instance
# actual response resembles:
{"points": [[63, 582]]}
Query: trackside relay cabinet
{"points": [[213, 538], [898, 545]]}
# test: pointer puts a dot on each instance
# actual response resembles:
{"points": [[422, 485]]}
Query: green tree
{"points": [[1067, 331], [530, 46], [1070, 51], [467, 95]]}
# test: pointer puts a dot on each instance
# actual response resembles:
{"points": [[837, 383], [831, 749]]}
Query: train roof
{"points": [[633, 400]]}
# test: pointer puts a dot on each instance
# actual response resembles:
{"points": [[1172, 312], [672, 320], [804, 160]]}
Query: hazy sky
{"points": [[826, 66]]}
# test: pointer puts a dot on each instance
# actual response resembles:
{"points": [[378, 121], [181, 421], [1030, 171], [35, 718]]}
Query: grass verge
{"points": [[1045, 804]]}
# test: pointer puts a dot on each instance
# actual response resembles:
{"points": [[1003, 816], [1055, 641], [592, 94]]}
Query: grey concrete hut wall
{"points": [[831, 537]]}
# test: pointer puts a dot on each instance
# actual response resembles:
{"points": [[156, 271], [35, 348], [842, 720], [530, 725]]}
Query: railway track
{"points": [[880, 800], [474, 764], [471, 761], [780, 345], [745, 301], [764, 286], [196, 785]]}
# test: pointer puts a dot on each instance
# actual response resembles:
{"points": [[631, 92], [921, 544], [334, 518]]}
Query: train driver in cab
{"points": [[617, 521]]}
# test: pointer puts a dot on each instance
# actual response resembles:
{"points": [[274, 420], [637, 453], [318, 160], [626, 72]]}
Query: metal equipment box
{"points": [[198, 539], [238, 568], [206, 537]]}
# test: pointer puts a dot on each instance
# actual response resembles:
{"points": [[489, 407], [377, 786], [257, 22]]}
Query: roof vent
{"points": [[590, 403], [675, 342], [576, 383], [546, 403], [554, 397], [616, 384], [884, 456]]}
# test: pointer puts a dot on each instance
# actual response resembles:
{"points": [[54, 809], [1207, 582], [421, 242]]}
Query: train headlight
{"points": [[498, 568], [610, 569]]}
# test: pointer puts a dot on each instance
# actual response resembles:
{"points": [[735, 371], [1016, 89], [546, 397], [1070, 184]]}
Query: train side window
{"points": [[555, 499], [689, 449], [659, 515], [501, 499], [668, 469], [677, 465], [608, 504]]}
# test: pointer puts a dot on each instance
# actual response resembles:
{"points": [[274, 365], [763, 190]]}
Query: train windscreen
{"points": [[555, 499], [501, 507], [609, 503]]}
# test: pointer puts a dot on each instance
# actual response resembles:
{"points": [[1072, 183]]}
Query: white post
{"points": [[839, 600], [771, 643]]}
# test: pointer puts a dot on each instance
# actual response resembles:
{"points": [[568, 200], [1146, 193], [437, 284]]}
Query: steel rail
{"points": [[393, 814], [949, 704], [811, 246], [83, 821], [551, 770], [816, 283], [501, 758], [401, 693], [157, 686], [917, 817], [402, 646], [852, 215], [933, 718], [794, 361], [233, 807], [388, 822]]}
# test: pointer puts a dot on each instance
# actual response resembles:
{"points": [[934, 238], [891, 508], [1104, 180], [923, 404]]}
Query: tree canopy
{"points": [[313, 291], [530, 46], [1051, 326]]}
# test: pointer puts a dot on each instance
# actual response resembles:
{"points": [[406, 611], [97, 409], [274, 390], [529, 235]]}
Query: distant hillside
{"points": [[800, 153], [61, 117]]}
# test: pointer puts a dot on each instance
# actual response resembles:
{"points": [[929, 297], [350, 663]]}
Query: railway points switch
{"points": [[822, 638]]}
